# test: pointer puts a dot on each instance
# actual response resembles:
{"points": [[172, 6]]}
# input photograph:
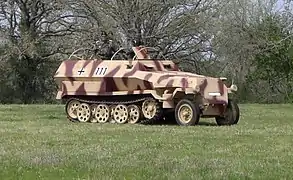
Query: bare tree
{"points": [[29, 28], [176, 28]]}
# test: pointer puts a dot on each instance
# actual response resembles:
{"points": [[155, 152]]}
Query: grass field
{"points": [[37, 142]]}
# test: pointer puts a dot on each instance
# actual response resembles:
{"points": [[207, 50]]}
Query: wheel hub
{"points": [[150, 108], [185, 113]]}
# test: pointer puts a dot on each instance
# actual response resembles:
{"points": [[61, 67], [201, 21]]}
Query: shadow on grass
{"points": [[207, 124], [174, 123], [160, 123]]}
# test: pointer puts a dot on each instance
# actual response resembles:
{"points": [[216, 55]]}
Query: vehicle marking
{"points": [[101, 71], [81, 71]]}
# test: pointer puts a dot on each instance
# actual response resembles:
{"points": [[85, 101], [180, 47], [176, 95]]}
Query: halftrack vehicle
{"points": [[142, 90]]}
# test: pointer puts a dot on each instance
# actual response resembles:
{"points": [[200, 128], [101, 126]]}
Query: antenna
{"points": [[116, 53], [72, 54]]}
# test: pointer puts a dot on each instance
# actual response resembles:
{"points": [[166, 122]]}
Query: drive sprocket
{"points": [[152, 111]]}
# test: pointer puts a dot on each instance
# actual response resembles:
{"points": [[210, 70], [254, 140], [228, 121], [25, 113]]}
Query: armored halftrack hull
{"points": [[146, 90]]}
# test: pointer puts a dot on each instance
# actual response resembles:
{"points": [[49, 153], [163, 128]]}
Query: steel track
{"points": [[143, 121]]}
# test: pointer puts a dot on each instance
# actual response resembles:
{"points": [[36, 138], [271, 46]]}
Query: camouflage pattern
{"points": [[160, 79]]}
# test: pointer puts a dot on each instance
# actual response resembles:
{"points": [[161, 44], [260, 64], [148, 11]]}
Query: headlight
{"points": [[197, 88], [233, 87]]}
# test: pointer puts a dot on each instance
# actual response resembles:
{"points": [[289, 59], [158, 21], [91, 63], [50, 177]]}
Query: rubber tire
{"points": [[236, 112], [195, 112], [232, 119]]}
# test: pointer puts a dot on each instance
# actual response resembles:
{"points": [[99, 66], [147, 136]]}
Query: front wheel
{"points": [[187, 113], [231, 115]]}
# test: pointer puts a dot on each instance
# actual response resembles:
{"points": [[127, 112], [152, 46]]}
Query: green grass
{"points": [[37, 142]]}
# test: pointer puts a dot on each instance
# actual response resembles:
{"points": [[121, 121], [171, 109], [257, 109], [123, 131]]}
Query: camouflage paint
{"points": [[145, 76]]}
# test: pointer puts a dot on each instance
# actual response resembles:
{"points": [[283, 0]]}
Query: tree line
{"points": [[249, 42]]}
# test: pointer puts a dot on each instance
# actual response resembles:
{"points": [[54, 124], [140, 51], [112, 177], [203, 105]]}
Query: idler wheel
{"points": [[102, 113], [84, 112], [71, 109], [120, 114], [134, 114]]}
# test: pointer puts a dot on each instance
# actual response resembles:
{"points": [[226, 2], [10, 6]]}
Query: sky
{"points": [[280, 4]]}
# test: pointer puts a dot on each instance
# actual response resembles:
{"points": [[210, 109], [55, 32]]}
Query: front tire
{"points": [[187, 113], [231, 115]]}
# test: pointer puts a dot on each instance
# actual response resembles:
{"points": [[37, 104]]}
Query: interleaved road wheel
{"points": [[121, 114], [84, 112], [134, 114], [102, 113]]}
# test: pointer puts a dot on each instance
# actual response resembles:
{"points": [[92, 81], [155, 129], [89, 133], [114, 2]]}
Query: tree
{"points": [[178, 29], [29, 27], [274, 62]]}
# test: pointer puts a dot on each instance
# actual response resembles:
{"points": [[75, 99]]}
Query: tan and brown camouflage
{"points": [[161, 79]]}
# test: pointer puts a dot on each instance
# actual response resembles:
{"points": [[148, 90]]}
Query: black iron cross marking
{"points": [[81, 71]]}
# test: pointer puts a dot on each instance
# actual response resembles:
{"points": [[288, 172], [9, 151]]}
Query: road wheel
{"points": [[102, 113], [187, 113], [231, 115], [84, 112], [71, 109], [134, 114], [121, 114]]}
